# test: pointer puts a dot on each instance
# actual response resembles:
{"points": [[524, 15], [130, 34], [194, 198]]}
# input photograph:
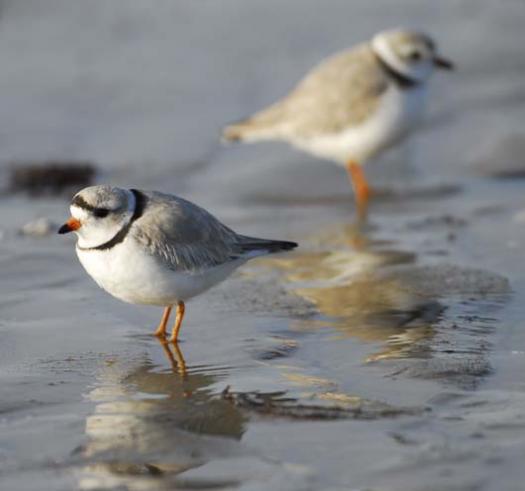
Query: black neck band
{"points": [[404, 81], [140, 203]]}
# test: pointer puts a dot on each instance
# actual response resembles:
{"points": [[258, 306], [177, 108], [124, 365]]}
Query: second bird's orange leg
{"points": [[178, 322], [161, 330], [360, 185]]}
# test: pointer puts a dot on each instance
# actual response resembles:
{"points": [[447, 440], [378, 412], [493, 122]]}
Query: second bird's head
{"points": [[410, 53]]}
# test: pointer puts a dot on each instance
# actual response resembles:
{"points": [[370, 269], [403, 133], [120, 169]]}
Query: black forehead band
{"points": [[81, 203]]}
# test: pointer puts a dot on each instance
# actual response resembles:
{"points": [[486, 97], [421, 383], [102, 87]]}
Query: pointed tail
{"points": [[251, 244], [235, 132]]}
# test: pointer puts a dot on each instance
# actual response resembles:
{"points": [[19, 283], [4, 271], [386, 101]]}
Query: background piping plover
{"points": [[353, 105], [156, 249]]}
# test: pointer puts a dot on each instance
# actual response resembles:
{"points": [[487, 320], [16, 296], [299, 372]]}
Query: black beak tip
{"points": [[64, 229], [444, 63]]}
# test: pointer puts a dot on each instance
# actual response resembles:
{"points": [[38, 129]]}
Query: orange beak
{"points": [[70, 226]]}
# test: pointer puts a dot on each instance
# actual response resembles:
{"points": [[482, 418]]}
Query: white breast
{"points": [[128, 273], [397, 114]]}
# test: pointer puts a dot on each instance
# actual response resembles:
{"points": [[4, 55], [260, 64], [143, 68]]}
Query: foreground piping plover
{"points": [[156, 249], [353, 105]]}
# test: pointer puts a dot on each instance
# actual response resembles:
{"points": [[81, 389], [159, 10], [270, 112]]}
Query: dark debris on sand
{"points": [[51, 177]]}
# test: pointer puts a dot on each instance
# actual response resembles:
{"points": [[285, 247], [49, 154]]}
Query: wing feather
{"points": [[341, 91], [184, 236]]}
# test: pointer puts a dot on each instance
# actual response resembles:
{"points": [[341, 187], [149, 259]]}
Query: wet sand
{"points": [[386, 357]]}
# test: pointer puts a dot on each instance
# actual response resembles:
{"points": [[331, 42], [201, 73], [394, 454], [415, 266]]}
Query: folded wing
{"points": [[187, 238]]}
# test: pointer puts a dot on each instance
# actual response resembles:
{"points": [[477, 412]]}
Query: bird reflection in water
{"points": [[347, 276], [177, 361], [150, 421]]}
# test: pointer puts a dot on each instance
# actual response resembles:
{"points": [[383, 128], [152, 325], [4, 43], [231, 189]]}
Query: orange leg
{"points": [[360, 185], [161, 330], [178, 322]]}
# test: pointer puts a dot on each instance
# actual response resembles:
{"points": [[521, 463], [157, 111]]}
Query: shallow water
{"points": [[386, 357]]}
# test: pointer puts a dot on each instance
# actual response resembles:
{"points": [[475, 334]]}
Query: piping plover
{"points": [[156, 249], [354, 104]]}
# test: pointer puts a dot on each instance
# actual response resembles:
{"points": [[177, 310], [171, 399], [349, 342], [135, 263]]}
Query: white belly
{"points": [[131, 275], [397, 114]]}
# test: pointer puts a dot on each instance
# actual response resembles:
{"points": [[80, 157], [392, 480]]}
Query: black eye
{"points": [[414, 56], [101, 212]]}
